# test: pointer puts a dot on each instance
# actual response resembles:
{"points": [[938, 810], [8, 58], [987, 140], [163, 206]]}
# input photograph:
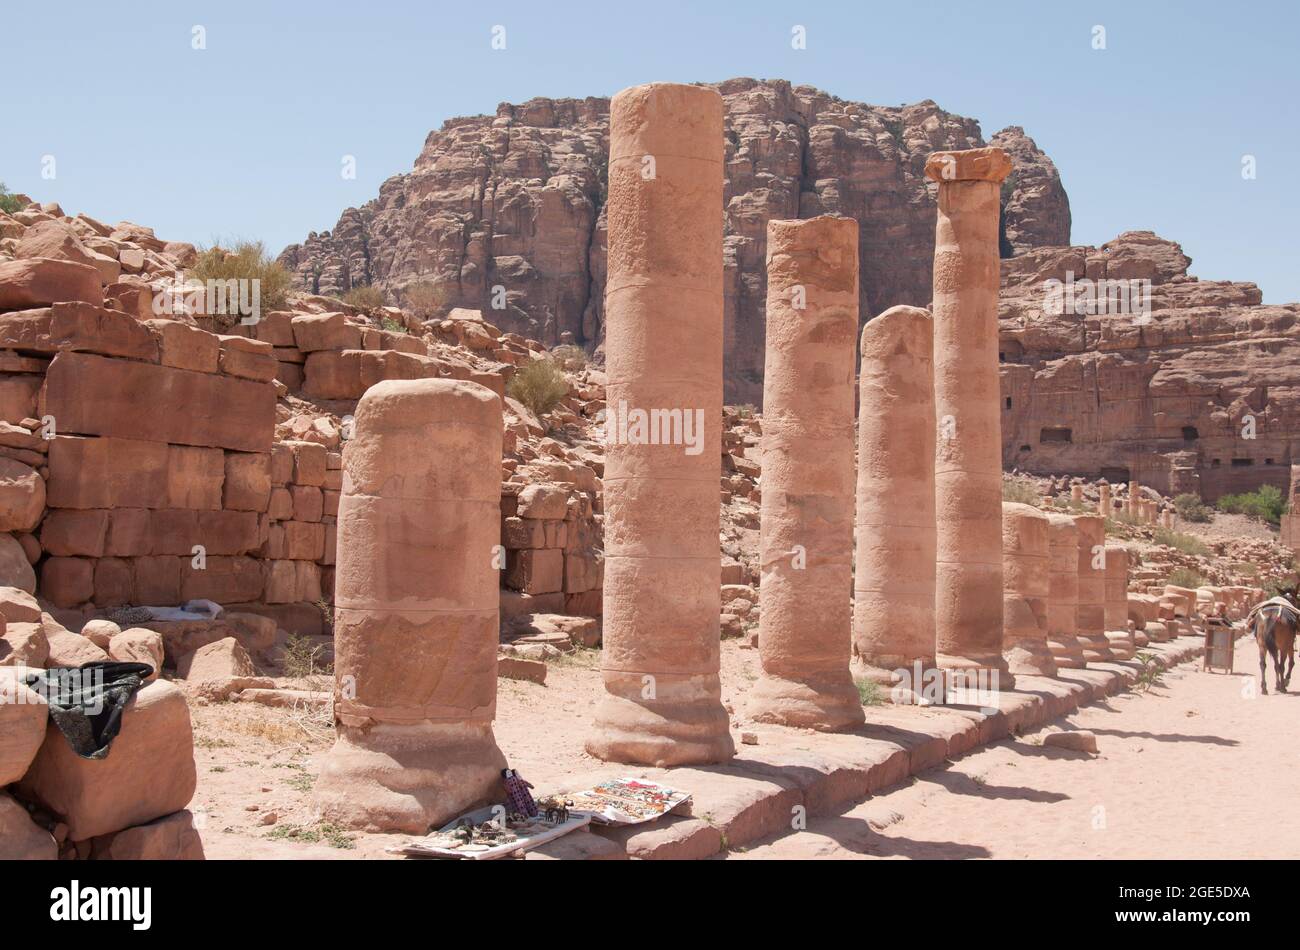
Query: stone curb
{"points": [[760, 792]]}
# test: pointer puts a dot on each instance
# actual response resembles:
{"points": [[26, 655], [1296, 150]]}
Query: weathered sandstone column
{"points": [[416, 616], [663, 352], [1121, 638], [893, 579], [968, 451], [1092, 588], [1063, 593], [1025, 589], [806, 537], [1133, 507], [1076, 492], [1103, 500]]}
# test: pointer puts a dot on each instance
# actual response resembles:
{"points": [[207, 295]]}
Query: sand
{"points": [[1202, 767]]}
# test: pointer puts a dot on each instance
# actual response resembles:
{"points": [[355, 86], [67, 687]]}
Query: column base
{"points": [[1123, 645], [828, 704], [909, 682], [685, 724], [983, 671], [1096, 648], [1031, 657], [1067, 652], [408, 777]]}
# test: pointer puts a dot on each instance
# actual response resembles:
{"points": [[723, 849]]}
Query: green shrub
{"points": [[1185, 577], [392, 325], [1266, 504], [365, 297], [1182, 542], [245, 260], [9, 203], [540, 386], [1191, 508]]}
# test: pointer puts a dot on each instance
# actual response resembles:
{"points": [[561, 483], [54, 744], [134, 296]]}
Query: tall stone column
{"points": [[967, 395], [416, 617], [663, 359], [1092, 588], [1103, 500], [1025, 589], [1121, 639], [806, 536], [893, 578], [1133, 506], [1063, 592]]}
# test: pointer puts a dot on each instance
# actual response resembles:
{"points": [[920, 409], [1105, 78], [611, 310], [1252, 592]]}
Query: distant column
{"points": [[1122, 643], [893, 580], [968, 455], [1025, 589], [806, 537], [1092, 588], [1103, 500], [1063, 593], [663, 351]]}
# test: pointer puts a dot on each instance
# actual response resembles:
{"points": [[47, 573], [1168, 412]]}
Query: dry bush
{"points": [[540, 386], [366, 297], [425, 299], [244, 260], [1021, 490], [570, 357]]}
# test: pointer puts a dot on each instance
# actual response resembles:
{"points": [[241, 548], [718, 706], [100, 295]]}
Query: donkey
{"points": [[1275, 634]]}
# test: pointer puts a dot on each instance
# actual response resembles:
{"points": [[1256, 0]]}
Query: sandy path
{"points": [[1200, 768]]}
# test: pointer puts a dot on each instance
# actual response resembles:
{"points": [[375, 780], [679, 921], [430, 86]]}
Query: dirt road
{"points": [[1201, 767]]}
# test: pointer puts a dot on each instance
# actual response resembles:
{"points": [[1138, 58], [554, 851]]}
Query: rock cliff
{"points": [[505, 213]]}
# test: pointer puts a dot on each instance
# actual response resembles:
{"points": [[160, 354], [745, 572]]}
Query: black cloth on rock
{"points": [[86, 702]]}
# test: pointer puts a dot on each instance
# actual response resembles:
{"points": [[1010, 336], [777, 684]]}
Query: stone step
{"points": [[770, 788]]}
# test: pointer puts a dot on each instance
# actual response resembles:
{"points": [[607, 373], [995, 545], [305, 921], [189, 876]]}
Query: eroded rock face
{"points": [[1197, 392], [517, 201]]}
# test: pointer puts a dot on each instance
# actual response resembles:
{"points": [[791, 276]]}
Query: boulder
{"points": [[148, 772], [23, 717], [21, 839], [39, 282], [138, 645], [218, 669], [71, 649], [170, 838], [100, 632], [22, 496], [15, 569], [1078, 741], [18, 606], [24, 644]]}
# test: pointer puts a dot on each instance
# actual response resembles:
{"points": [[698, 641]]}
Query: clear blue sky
{"points": [[245, 137]]}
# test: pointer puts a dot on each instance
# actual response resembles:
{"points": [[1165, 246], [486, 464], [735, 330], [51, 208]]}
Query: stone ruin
{"points": [[315, 458]]}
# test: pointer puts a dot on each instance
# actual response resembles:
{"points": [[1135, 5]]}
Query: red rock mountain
{"points": [[509, 210], [1199, 393]]}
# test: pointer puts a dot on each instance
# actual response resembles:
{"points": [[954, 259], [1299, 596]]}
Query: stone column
{"points": [[416, 609], [1133, 506], [1063, 593], [1092, 588], [1122, 642], [1103, 500], [1076, 493], [893, 578], [806, 536], [967, 396], [663, 359], [1025, 589]]}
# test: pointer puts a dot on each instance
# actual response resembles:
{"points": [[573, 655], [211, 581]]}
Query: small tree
{"points": [[9, 203], [1191, 508]]}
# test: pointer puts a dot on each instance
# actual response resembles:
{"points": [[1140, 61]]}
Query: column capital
{"points": [[976, 164]]}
